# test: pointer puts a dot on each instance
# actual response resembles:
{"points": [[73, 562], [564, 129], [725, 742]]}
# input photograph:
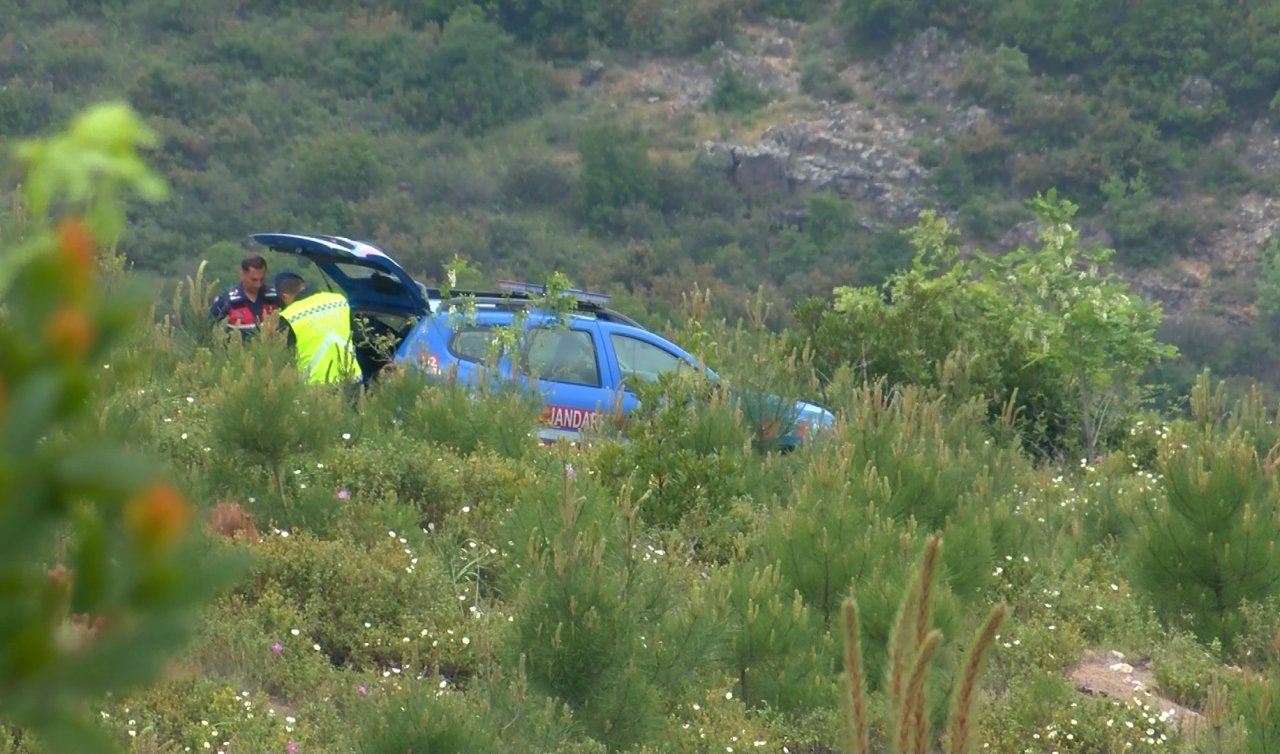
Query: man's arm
{"points": [[220, 307], [291, 339]]}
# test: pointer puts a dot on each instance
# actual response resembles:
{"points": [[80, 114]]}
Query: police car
{"points": [[584, 365]]}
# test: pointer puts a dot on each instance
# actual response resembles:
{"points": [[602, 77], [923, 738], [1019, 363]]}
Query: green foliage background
{"points": [[436, 127]]}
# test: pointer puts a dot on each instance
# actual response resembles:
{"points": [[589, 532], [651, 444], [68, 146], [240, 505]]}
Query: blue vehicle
{"points": [[583, 365]]}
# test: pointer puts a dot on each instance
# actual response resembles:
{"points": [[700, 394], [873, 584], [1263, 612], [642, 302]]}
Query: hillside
{"points": [[644, 146], [997, 546]]}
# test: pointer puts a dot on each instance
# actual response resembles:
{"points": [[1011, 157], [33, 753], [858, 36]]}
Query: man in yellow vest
{"points": [[319, 330]]}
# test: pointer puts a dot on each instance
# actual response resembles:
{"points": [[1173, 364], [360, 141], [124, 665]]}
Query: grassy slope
{"points": [[1058, 544]]}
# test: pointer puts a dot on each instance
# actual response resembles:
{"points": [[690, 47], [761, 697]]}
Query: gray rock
{"points": [[761, 170], [1261, 152], [779, 47], [1196, 92], [970, 118], [719, 155], [814, 157]]}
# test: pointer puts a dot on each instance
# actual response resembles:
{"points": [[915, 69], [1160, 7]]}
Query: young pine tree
{"points": [[100, 578], [1210, 542]]}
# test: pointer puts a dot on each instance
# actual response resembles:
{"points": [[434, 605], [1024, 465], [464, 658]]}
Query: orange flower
{"points": [[76, 245], [158, 516], [75, 254], [70, 333]]}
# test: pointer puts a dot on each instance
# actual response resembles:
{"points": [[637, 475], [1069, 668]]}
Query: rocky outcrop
{"points": [[839, 153], [769, 63], [867, 149]]}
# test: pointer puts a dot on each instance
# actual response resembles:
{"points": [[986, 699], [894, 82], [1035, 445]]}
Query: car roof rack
{"points": [[590, 297], [519, 295]]}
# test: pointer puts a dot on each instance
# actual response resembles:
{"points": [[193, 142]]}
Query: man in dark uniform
{"points": [[247, 305]]}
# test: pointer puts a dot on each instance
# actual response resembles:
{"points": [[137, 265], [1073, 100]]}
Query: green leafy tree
{"points": [[565, 29], [100, 580], [472, 78], [1046, 332], [346, 166], [616, 173], [1080, 319], [876, 22]]}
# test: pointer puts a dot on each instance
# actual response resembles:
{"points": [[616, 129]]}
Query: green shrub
{"points": [[689, 28], [954, 179], [438, 488], [603, 620], [455, 415], [24, 109], [1043, 707], [185, 94], [1208, 544], [720, 720], [735, 93], [819, 80], [1184, 670], [421, 718], [237, 644], [198, 714], [1058, 404], [1254, 700], [1146, 233], [472, 78], [999, 80], [405, 472], [264, 415], [536, 181], [615, 173], [800, 10], [778, 648], [367, 608], [346, 166], [687, 447]]}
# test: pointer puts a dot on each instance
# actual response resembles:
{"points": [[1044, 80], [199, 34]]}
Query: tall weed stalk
{"points": [[913, 645]]}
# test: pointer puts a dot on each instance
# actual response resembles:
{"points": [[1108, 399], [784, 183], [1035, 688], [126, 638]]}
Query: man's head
{"points": [[253, 270], [289, 285]]}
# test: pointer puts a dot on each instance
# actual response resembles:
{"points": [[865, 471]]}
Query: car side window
{"points": [[640, 360], [472, 343], [563, 356]]}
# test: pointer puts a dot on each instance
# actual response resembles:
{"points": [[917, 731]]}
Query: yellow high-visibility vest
{"points": [[321, 325]]}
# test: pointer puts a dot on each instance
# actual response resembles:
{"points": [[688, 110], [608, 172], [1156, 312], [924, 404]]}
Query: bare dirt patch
{"points": [[1129, 680]]}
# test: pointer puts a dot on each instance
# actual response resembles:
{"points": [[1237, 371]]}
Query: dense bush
{"points": [[616, 173], [1032, 334], [471, 78]]}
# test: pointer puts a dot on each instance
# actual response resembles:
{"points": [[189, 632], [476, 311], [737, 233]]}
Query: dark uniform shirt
{"points": [[240, 313]]}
